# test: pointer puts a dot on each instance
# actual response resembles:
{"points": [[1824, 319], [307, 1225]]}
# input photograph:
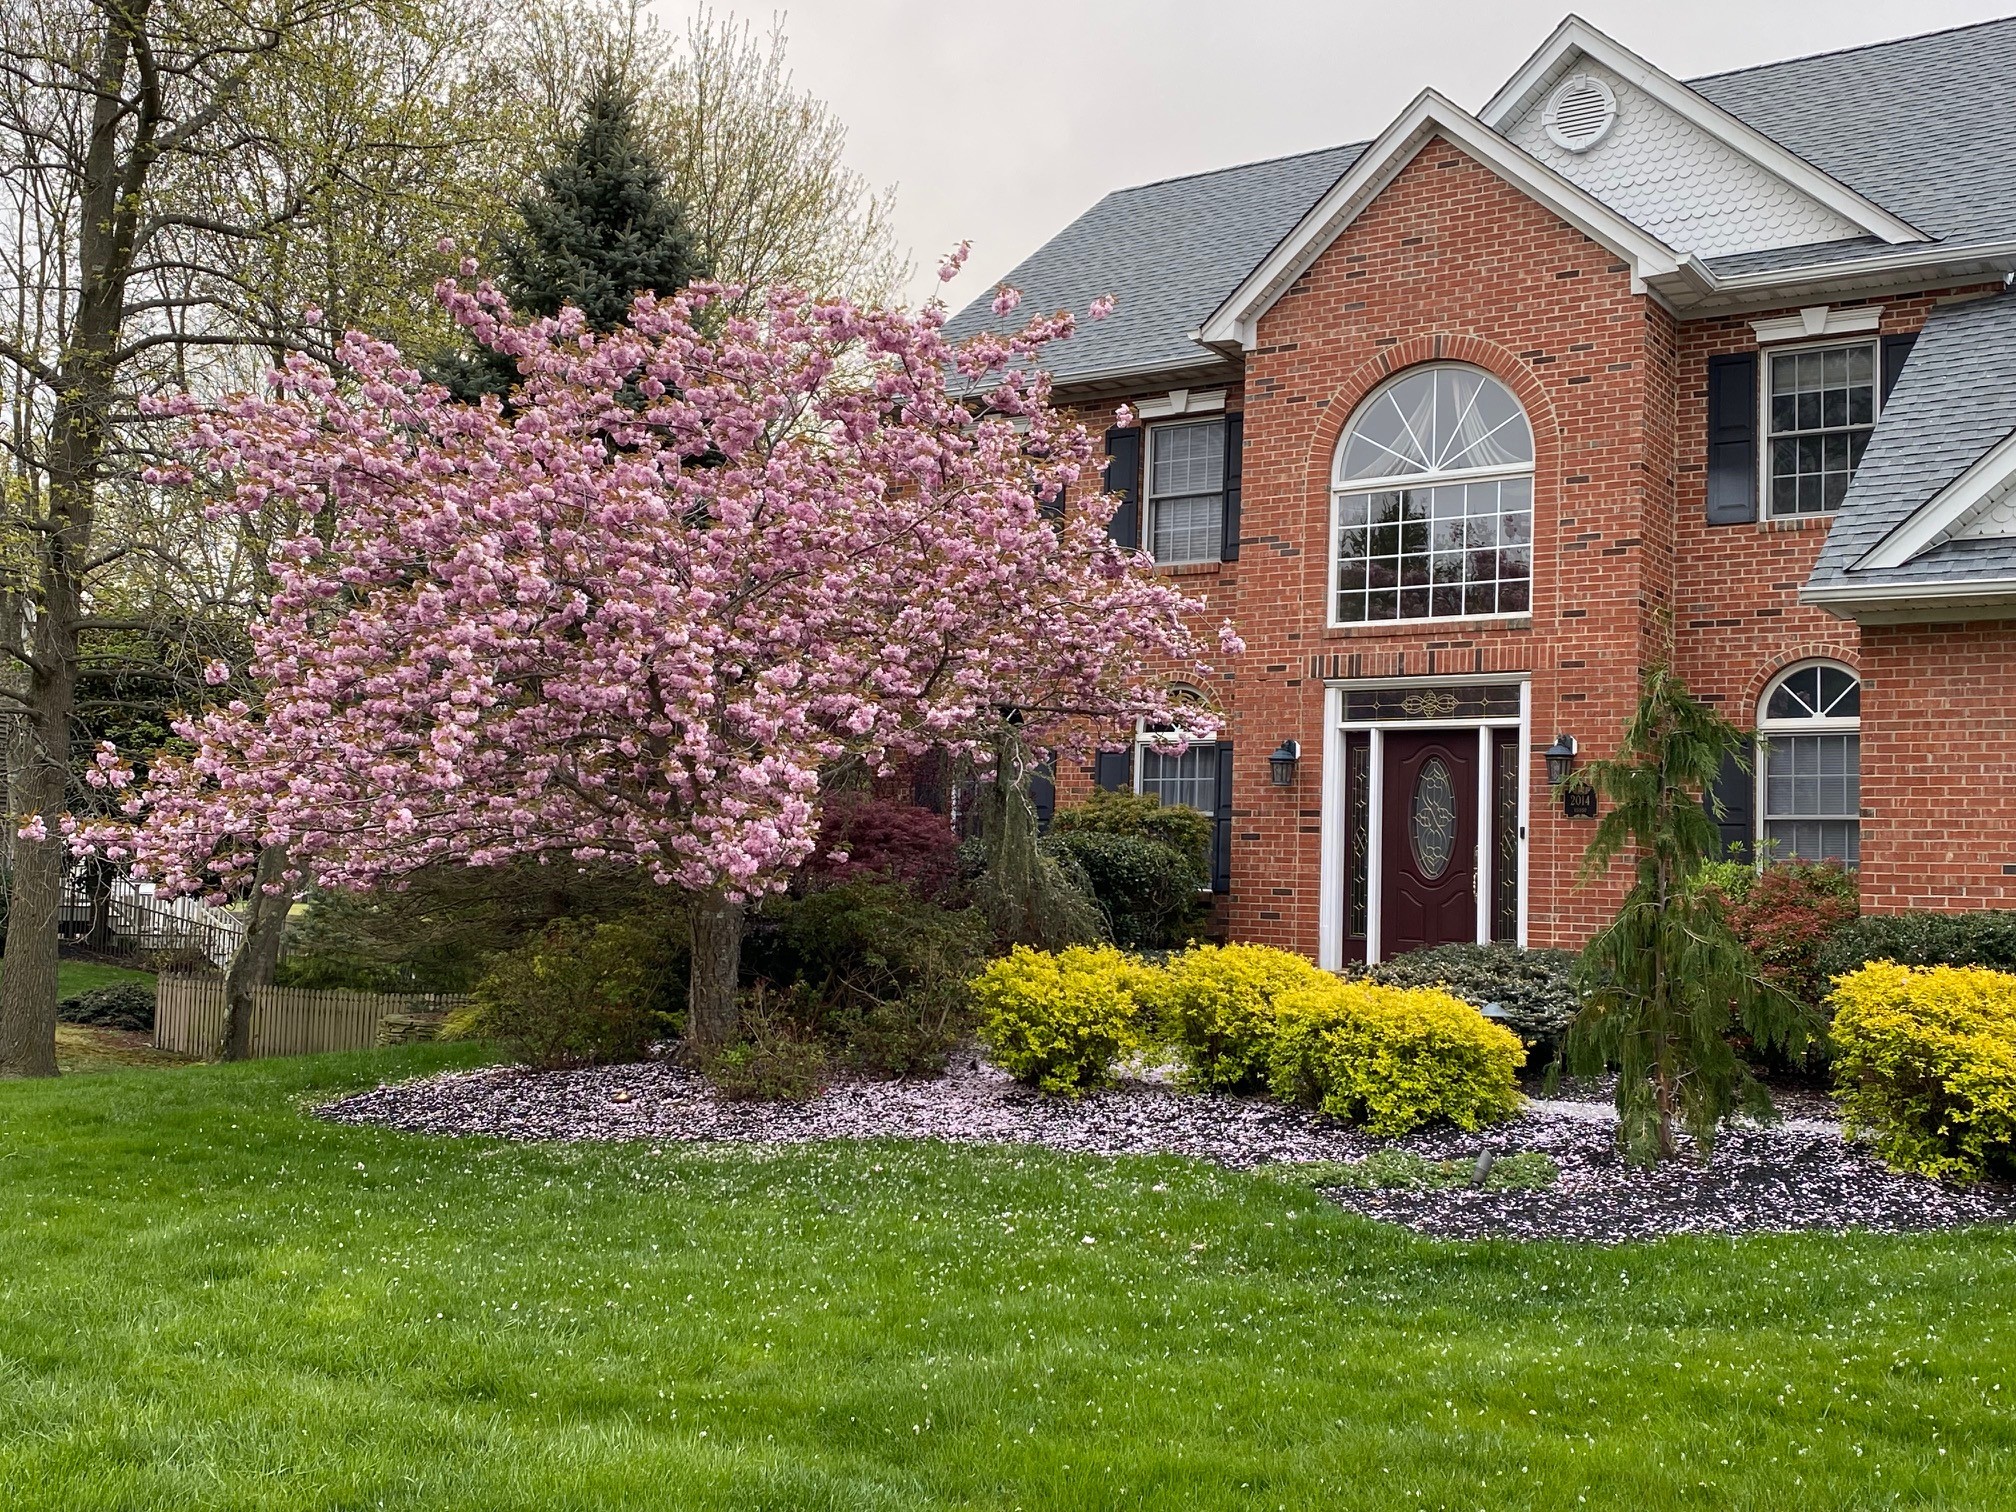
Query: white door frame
{"points": [[1330, 873]]}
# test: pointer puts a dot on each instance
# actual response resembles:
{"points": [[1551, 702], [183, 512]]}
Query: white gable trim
{"points": [[1237, 319], [1575, 37], [1942, 515]]}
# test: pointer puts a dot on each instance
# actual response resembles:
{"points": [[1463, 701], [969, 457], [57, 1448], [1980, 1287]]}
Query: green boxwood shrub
{"points": [[1145, 864], [1979, 937], [117, 1005], [1061, 1022], [1533, 987], [577, 994]]}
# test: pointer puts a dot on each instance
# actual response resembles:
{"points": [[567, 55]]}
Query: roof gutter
{"points": [[1897, 601], [1697, 283]]}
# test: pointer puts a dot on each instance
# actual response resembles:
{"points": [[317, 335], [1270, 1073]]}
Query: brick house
{"points": [[1465, 426]]}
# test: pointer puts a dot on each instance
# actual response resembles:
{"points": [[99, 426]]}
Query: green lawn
{"points": [[209, 1300]]}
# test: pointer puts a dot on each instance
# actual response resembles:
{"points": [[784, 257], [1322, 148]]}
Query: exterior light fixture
{"points": [[1576, 802], [1560, 760], [1281, 765]]}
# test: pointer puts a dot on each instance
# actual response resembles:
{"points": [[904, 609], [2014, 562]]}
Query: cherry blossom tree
{"points": [[708, 560]]}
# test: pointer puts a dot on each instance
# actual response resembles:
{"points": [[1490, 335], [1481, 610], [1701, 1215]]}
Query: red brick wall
{"points": [[1938, 766], [1737, 615], [1451, 263]]}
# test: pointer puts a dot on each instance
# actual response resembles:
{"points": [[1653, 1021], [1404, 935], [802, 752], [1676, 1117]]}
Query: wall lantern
{"points": [[1281, 765], [1560, 760], [1576, 802]]}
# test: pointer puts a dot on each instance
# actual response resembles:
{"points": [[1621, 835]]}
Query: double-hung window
{"points": [[1186, 491], [1820, 405]]}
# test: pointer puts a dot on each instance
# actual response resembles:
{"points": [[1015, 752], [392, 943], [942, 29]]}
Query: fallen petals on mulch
{"points": [[1797, 1175]]}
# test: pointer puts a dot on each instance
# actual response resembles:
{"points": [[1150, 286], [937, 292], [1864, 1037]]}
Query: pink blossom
{"points": [[550, 636], [953, 261], [1006, 299], [34, 829], [1102, 307]]}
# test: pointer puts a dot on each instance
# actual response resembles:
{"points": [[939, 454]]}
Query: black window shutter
{"points": [[1896, 352], [1123, 477], [1043, 794], [1114, 770], [1736, 792], [1235, 447], [1221, 823], [1732, 439]]}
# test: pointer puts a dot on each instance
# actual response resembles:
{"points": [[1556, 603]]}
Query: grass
{"points": [[214, 1301]]}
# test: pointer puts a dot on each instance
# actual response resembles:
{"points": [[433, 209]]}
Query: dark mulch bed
{"points": [[1797, 1175]]}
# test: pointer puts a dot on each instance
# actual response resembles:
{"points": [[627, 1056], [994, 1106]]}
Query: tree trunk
{"points": [[35, 899], [109, 205], [712, 1008], [98, 879], [258, 953]]}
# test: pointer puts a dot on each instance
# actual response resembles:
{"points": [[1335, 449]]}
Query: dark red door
{"points": [[1428, 894]]}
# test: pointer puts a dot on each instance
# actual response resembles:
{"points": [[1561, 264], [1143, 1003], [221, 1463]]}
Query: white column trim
{"points": [[1330, 869], [1375, 838]]}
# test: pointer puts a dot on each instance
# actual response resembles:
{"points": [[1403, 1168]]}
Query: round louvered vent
{"points": [[1580, 113]]}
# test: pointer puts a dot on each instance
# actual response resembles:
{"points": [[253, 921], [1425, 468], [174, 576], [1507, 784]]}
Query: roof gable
{"points": [[1930, 502], [1235, 321], [1706, 159]]}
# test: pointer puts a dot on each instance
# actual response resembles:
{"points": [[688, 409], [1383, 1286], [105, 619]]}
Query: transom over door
{"points": [[1428, 894]]}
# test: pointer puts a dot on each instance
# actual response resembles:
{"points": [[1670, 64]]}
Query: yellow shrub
{"points": [[1392, 1058], [1060, 1022], [1926, 1063], [1215, 1003]]}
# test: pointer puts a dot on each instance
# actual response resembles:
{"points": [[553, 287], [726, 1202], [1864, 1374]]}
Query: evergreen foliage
{"points": [[1660, 982], [602, 227]]}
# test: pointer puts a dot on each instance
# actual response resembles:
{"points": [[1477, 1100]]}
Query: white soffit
{"points": [[1980, 503], [1679, 165], [1430, 116], [1816, 321]]}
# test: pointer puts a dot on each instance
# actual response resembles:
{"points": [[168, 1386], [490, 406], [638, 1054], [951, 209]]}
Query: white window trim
{"points": [[1330, 865], [1393, 483], [1148, 494], [1765, 727], [1765, 356], [1150, 740]]}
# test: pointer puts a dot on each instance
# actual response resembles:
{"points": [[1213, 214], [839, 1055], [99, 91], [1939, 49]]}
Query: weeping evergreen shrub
{"points": [[1661, 982]]}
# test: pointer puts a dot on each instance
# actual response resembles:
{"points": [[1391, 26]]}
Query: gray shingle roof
{"points": [[1168, 252], [1954, 401], [1920, 126]]}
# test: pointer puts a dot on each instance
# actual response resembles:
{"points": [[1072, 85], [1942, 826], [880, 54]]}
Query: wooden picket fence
{"points": [[189, 1017]]}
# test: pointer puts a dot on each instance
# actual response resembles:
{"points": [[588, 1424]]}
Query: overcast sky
{"points": [[1002, 122]]}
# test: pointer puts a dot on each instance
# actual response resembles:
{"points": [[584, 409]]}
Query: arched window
{"points": [[1432, 493], [1809, 728]]}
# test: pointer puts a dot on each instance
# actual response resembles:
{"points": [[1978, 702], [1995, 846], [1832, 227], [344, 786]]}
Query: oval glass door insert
{"points": [[1432, 823]]}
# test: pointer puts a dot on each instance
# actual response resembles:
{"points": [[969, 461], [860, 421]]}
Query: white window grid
{"points": [[1809, 779], [1819, 406], [1186, 491], [1424, 545]]}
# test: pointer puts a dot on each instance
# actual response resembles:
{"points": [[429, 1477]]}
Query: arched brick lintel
{"points": [[1442, 346]]}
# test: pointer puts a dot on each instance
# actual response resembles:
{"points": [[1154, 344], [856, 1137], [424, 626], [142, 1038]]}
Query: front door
{"points": [[1428, 894]]}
